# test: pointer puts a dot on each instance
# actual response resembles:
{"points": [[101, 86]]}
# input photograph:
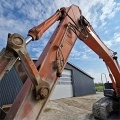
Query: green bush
{"points": [[99, 88]]}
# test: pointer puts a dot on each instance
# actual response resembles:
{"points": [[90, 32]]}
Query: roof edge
{"points": [[80, 70], [74, 67]]}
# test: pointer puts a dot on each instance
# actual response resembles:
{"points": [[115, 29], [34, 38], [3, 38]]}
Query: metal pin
{"points": [[28, 39]]}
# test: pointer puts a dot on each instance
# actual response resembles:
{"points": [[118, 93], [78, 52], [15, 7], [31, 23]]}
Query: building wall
{"points": [[10, 86], [82, 84]]}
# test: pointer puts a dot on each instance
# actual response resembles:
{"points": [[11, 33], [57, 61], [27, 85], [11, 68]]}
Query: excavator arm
{"points": [[108, 56], [43, 75], [38, 87]]}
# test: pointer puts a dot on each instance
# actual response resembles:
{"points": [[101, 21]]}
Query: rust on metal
{"points": [[37, 31], [7, 60], [19, 68], [44, 74], [46, 69], [18, 45]]}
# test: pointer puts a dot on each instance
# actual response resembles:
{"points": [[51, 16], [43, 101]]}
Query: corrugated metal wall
{"points": [[82, 83], [10, 85]]}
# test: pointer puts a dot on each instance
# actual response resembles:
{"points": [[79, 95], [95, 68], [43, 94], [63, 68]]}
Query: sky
{"points": [[103, 15]]}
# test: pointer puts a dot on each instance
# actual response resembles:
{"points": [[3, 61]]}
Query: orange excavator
{"points": [[43, 75]]}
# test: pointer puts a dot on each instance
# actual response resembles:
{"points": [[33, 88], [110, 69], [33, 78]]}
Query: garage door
{"points": [[63, 88]]}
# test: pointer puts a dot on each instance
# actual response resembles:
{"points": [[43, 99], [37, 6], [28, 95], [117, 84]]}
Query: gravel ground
{"points": [[75, 108]]}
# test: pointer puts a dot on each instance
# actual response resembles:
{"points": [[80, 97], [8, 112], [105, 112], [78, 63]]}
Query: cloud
{"points": [[98, 11], [109, 43], [75, 53], [113, 41], [20, 16], [82, 53], [109, 9], [23, 15], [102, 76], [117, 27], [117, 37], [37, 52]]}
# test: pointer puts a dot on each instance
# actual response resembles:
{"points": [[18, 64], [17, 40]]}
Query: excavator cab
{"points": [[109, 90], [108, 106]]}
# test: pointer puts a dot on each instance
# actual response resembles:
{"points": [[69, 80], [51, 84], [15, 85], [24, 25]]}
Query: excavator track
{"points": [[102, 108]]}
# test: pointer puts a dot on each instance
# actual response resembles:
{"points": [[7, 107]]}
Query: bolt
{"points": [[17, 41], [44, 91], [37, 97]]}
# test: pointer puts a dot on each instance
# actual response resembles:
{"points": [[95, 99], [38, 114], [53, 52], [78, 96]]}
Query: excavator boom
{"points": [[50, 65], [43, 75]]}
